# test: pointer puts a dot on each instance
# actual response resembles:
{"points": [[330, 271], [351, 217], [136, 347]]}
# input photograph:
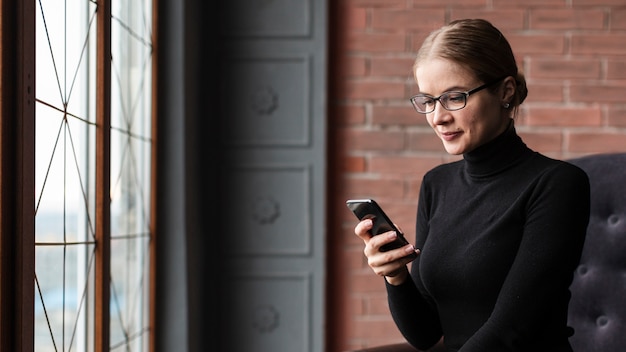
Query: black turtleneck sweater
{"points": [[501, 233]]}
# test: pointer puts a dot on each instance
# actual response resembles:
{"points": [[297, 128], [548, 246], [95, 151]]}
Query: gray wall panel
{"points": [[268, 18], [276, 317], [266, 101], [272, 216]]}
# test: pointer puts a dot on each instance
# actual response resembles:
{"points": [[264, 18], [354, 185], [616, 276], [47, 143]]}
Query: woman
{"points": [[500, 232]]}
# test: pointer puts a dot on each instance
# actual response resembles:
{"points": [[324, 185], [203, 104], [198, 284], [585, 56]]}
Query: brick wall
{"points": [[573, 53]]}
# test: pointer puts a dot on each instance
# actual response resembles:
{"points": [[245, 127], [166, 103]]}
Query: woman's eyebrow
{"points": [[449, 89]]}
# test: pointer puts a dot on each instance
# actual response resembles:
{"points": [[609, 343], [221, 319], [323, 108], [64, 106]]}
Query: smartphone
{"points": [[369, 209]]}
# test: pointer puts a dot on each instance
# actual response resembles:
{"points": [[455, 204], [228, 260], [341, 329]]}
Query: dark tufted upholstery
{"points": [[597, 310]]}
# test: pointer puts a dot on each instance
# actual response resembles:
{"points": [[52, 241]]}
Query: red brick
{"points": [[528, 3], [413, 190], [376, 329], [597, 93], [597, 142], [425, 141], [564, 68], [353, 164], [349, 115], [404, 115], [616, 68], [597, 2], [447, 3], [344, 139], [376, 304], [356, 305], [564, 116], [400, 67], [352, 333], [364, 140], [416, 166], [353, 66], [360, 89], [417, 38], [618, 19], [543, 142], [522, 112], [375, 42], [373, 188], [539, 92], [524, 44], [407, 19], [356, 18], [617, 117], [378, 3], [354, 258], [566, 19], [598, 43], [505, 20], [366, 281]]}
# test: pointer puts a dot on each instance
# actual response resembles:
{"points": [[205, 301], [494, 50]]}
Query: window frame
{"points": [[17, 177]]}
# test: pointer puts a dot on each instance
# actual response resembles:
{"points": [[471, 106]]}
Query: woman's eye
{"points": [[456, 98]]}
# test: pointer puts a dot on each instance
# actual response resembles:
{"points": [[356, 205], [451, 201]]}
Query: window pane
{"points": [[62, 297], [131, 51], [64, 174]]}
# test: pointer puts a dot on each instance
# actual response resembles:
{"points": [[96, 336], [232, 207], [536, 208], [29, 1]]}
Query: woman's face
{"points": [[481, 120]]}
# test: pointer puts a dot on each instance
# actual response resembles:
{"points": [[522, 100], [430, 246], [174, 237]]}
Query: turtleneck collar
{"points": [[497, 155]]}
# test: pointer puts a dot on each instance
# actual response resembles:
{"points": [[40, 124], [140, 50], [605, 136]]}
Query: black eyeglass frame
{"points": [[466, 94]]}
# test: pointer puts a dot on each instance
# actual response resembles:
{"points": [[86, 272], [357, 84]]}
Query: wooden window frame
{"points": [[17, 177]]}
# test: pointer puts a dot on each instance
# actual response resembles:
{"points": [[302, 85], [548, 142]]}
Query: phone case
{"points": [[381, 223]]}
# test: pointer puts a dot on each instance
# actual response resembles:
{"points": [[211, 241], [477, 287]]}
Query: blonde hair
{"points": [[479, 46]]}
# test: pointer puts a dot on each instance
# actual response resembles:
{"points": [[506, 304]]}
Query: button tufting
{"points": [[599, 285], [602, 321], [613, 220]]}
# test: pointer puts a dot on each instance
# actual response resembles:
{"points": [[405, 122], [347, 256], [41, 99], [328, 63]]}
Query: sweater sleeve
{"points": [[413, 312], [415, 317], [538, 281]]}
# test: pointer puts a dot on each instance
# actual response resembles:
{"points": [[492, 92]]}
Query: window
{"points": [[83, 152]]}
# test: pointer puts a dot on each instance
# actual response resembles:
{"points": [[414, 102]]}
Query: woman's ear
{"points": [[508, 90]]}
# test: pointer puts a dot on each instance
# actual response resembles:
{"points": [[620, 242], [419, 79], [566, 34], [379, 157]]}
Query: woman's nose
{"points": [[440, 114]]}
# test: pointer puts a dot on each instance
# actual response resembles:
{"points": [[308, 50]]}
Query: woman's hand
{"points": [[391, 264]]}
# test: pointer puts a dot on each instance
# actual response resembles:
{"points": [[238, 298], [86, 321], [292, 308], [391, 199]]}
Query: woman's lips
{"points": [[448, 136]]}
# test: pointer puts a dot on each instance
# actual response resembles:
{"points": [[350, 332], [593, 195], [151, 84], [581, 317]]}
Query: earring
{"points": [[506, 105]]}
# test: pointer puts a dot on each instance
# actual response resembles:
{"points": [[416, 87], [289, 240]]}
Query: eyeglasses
{"points": [[451, 101]]}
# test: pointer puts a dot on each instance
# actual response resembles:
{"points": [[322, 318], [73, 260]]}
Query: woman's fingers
{"points": [[390, 263], [375, 242], [362, 229]]}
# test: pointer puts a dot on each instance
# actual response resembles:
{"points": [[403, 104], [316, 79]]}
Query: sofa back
{"points": [[597, 309]]}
